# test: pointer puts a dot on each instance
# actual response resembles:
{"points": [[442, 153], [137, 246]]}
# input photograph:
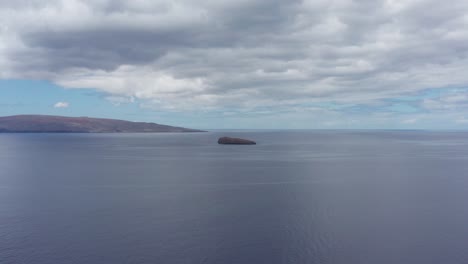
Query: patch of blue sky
{"points": [[39, 97], [431, 94], [405, 108]]}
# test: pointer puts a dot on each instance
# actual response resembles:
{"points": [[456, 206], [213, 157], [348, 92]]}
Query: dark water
{"points": [[297, 197]]}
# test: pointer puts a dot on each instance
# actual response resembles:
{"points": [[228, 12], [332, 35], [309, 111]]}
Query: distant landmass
{"points": [[62, 124]]}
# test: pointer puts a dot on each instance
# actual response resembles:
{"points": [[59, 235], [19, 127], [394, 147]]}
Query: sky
{"points": [[252, 64]]}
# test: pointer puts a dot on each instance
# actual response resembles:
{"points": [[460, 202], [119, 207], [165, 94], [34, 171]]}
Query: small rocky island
{"points": [[235, 141]]}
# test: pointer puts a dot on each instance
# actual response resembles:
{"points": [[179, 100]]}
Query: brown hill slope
{"points": [[61, 124]]}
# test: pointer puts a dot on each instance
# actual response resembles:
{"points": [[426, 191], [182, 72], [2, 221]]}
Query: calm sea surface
{"points": [[351, 197]]}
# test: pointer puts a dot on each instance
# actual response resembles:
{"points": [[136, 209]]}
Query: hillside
{"points": [[61, 124]]}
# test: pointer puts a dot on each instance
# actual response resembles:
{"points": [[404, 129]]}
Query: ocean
{"points": [[342, 197]]}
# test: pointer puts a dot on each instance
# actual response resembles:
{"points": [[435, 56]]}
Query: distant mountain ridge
{"points": [[62, 124]]}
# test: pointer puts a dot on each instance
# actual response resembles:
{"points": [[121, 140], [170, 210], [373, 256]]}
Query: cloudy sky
{"points": [[239, 64]]}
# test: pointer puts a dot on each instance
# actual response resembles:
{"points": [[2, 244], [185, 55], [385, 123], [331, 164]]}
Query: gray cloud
{"points": [[183, 55]]}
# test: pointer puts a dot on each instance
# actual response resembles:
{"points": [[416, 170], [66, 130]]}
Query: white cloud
{"points": [[182, 55], [61, 105], [410, 121], [145, 83], [452, 101], [461, 120], [119, 100]]}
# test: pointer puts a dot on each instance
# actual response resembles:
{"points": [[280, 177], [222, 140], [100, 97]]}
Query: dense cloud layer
{"points": [[184, 55]]}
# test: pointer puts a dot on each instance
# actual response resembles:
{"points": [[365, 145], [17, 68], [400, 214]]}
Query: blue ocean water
{"points": [[296, 197]]}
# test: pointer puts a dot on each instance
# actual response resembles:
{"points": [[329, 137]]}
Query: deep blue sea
{"points": [[341, 197]]}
